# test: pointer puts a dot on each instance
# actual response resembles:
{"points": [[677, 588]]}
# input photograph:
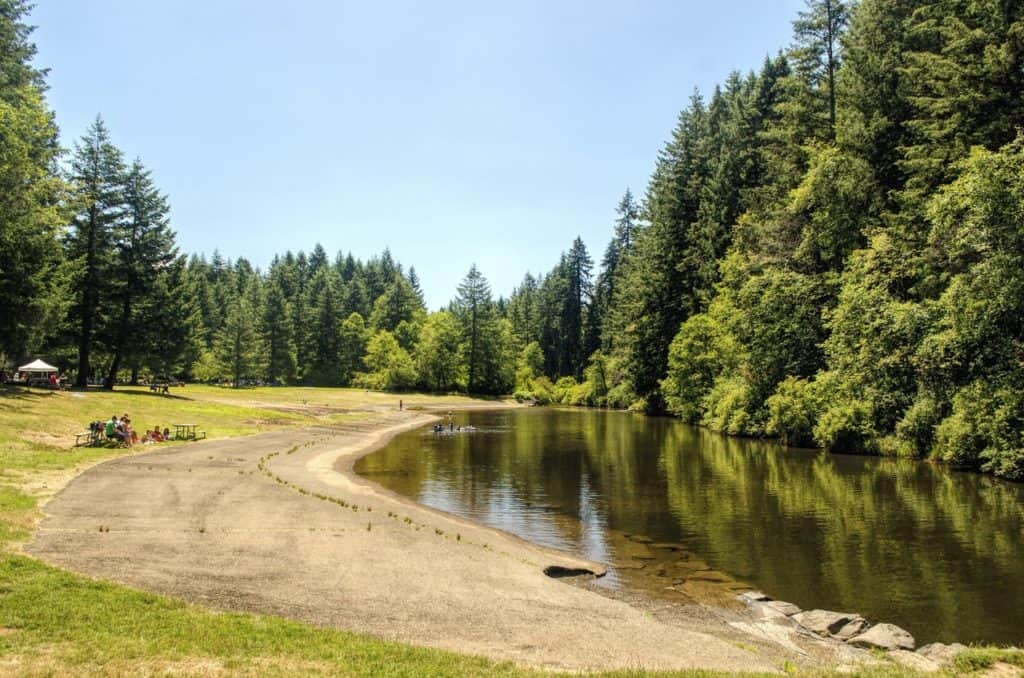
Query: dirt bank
{"points": [[278, 523]]}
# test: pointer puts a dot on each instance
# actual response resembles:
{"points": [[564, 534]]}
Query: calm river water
{"points": [[683, 513]]}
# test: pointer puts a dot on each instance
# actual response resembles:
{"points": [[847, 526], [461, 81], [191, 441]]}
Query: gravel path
{"points": [[278, 523]]}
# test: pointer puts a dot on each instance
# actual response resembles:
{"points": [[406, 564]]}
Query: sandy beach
{"points": [[279, 523]]}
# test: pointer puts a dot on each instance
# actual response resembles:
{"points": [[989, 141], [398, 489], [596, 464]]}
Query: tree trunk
{"points": [[115, 365], [122, 339], [81, 379], [89, 304], [831, 71]]}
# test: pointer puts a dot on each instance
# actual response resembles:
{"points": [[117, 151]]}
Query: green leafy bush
{"points": [[847, 426], [727, 407], [915, 433], [699, 353], [792, 412], [985, 428]]}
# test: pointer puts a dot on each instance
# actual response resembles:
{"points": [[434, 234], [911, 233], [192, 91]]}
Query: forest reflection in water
{"points": [[681, 512]]}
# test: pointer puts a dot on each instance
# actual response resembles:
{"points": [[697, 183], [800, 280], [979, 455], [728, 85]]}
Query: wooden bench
{"points": [[162, 388]]}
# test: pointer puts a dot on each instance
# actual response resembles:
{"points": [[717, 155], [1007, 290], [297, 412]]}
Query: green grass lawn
{"points": [[54, 622]]}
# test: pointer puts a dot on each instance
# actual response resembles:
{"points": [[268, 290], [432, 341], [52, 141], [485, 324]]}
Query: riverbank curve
{"points": [[278, 523]]}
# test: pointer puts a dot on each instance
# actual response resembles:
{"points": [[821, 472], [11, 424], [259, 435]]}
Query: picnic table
{"points": [[188, 432], [91, 437]]}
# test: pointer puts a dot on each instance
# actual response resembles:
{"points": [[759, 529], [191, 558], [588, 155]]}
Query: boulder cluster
{"points": [[853, 629]]}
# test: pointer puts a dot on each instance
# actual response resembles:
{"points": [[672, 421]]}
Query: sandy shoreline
{"points": [[279, 523]]}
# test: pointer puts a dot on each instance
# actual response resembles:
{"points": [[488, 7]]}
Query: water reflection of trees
{"points": [[898, 541], [895, 540]]}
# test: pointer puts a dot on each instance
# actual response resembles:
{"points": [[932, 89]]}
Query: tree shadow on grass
{"points": [[147, 394], [17, 392]]}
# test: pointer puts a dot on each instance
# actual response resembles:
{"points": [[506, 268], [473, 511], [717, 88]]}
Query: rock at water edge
{"points": [[788, 609], [765, 612], [852, 628], [884, 637], [753, 597], [824, 622]]}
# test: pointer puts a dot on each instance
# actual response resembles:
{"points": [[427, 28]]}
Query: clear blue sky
{"points": [[451, 132]]}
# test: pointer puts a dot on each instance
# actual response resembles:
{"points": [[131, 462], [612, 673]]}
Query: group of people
{"points": [[119, 430]]}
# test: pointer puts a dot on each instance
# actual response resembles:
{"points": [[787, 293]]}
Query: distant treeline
{"points": [[830, 251], [90, 275]]}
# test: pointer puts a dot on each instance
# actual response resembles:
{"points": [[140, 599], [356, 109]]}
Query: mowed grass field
{"points": [[54, 622]]}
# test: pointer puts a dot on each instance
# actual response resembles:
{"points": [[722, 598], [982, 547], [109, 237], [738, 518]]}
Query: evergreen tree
{"points": [[473, 306], [145, 246], [237, 344], [351, 347], [600, 330], [97, 182], [576, 306], [816, 53], [414, 283], [33, 293], [523, 310], [317, 260], [398, 303], [554, 291], [660, 285], [302, 314], [324, 336], [873, 108], [277, 333], [170, 338], [964, 77], [17, 74]]}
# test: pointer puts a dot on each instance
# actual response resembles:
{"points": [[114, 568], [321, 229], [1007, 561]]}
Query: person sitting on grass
{"points": [[155, 435], [113, 430], [167, 434], [129, 435]]}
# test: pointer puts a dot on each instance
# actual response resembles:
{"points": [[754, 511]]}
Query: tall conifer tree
{"points": [[145, 246], [473, 306], [97, 182], [32, 280]]}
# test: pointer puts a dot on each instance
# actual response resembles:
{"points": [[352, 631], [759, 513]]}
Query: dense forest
{"points": [[829, 251]]}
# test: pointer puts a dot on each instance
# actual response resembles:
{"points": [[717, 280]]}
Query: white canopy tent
{"points": [[37, 366]]}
